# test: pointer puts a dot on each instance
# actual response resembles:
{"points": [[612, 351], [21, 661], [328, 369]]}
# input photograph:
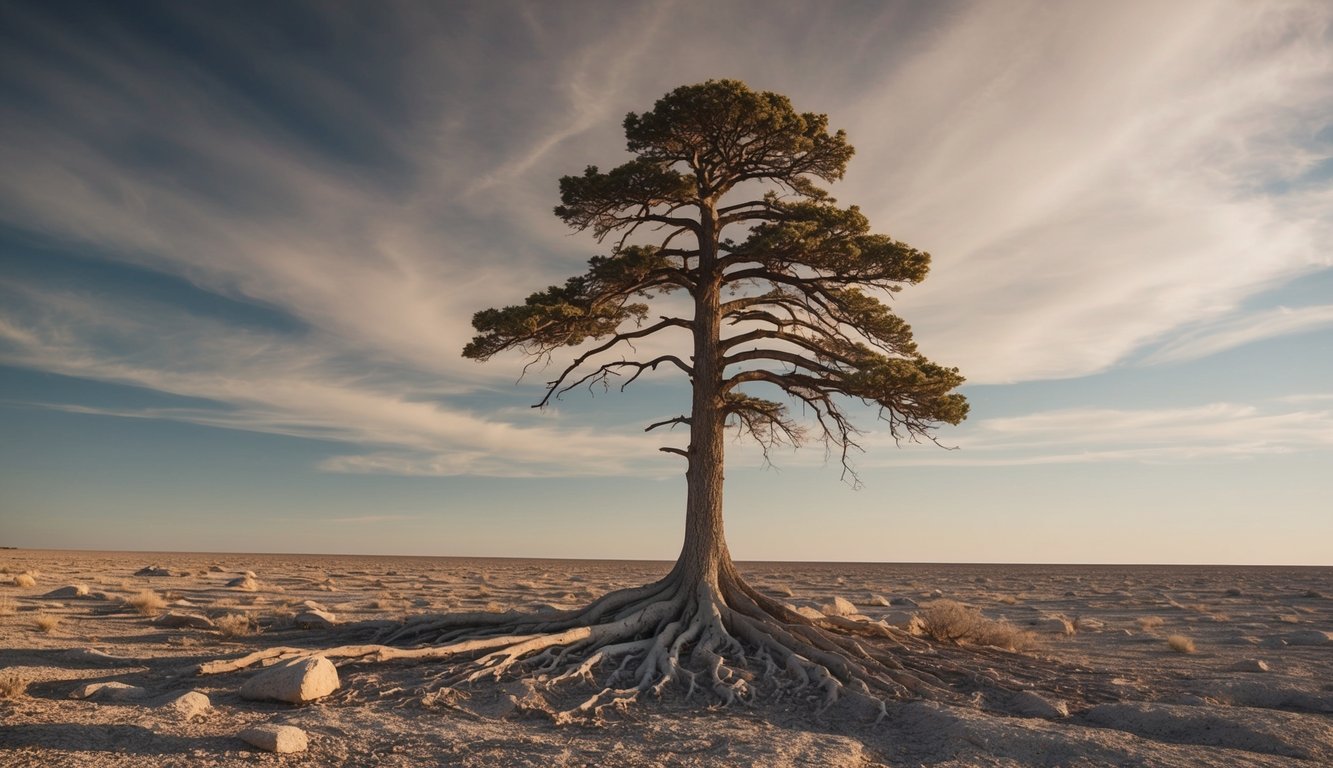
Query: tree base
{"points": [[726, 641]]}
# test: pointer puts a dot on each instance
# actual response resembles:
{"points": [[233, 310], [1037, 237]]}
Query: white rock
{"points": [[1029, 704], [298, 681], [112, 691], [176, 619], [840, 606], [276, 738], [190, 705], [73, 590], [315, 619]]}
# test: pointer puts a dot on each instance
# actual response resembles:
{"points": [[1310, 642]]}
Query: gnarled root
{"points": [[717, 636]]}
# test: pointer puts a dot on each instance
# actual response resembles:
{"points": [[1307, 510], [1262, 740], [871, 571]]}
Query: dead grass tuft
{"points": [[951, 621], [46, 623], [1149, 622], [147, 602], [13, 684], [1180, 644], [234, 625], [25, 580]]}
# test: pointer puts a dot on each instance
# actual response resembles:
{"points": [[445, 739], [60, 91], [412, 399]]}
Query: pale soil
{"points": [[1133, 700]]}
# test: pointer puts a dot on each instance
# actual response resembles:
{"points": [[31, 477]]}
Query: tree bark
{"points": [[704, 556]]}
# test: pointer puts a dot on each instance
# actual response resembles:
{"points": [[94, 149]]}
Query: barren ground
{"points": [[1133, 700]]}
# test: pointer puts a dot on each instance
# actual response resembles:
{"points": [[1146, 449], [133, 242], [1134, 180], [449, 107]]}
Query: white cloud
{"points": [[1245, 329]]}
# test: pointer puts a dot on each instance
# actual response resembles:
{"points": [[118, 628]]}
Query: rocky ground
{"points": [[1155, 666]]}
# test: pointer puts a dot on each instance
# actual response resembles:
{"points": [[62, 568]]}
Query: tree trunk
{"points": [[704, 555]]}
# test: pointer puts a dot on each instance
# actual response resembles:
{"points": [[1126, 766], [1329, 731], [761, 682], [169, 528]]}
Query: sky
{"points": [[241, 244]]}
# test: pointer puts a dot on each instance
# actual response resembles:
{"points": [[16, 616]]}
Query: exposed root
{"points": [[721, 638]]}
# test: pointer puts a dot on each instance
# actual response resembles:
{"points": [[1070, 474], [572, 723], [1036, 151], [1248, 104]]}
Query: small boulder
{"points": [[276, 738], [1058, 625], [899, 619], [1089, 625], [315, 619], [1309, 637], [809, 613], [191, 705], [904, 601], [879, 600], [177, 619], [299, 681], [246, 583], [152, 570], [73, 590], [840, 606], [1272, 643], [112, 691], [1250, 665], [1029, 704]]}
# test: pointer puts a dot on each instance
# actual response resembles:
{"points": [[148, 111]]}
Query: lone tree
{"points": [[778, 306]]}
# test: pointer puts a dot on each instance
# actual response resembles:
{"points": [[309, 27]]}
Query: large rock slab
{"points": [[299, 681], [1309, 637], [276, 738]]}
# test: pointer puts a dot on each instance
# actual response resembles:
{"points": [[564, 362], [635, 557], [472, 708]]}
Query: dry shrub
{"points": [[147, 602], [45, 622], [234, 625], [1007, 600], [25, 580], [951, 621], [1180, 644], [1149, 622], [13, 684]]}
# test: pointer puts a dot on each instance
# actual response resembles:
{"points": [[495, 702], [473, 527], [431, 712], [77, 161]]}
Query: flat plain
{"points": [[1139, 666]]}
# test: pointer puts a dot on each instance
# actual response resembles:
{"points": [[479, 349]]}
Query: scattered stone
{"points": [[314, 606], [1029, 704], [104, 596], [73, 590], [1089, 625], [840, 606], [215, 569], [191, 705], [808, 612], [176, 619], [1309, 637], [315, 619], [276, 738], [1250, 665], [112, 691], [1272, 642], [907, 601], [297, 682], [879, 600], [152, 570]]}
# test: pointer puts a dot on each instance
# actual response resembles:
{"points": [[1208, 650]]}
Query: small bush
{"points": [[45, 623], [234, 625], [25, 580], [1180, 644], [1149, 622], [950, 621], [13, 684], [147, 602]]}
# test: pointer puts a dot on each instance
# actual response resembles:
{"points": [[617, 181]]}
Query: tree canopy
{"points": [[798, 280]]}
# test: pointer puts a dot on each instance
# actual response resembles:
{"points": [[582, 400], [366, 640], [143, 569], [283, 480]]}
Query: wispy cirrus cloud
{"points": [[1244, 329]]}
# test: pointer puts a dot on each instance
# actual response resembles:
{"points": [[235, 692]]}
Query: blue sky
{"points": [[240, 247]]}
